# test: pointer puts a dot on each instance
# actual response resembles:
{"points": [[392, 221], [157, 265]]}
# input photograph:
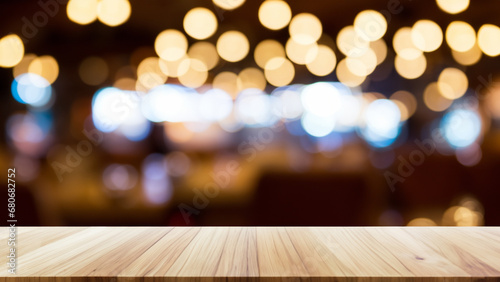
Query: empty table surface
{"points": [[252, 253]]}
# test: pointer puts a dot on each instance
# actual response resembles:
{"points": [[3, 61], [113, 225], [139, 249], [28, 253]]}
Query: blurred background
{"points": [[234, 112]]}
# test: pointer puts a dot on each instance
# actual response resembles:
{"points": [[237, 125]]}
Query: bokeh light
{"points": [[200, 23], [370, 25], [196, 75], [301, 54], [274, 14], [215, 105], [233, 46], [380, 49], [254, 108], [205, 52], [460, 36], [324, 63], [362, 65], [11, 50], [31, 89], [403, 44], [321, 99], [426, 35], [488, 39], [461, 127], [434, 100], [118, 177], [227, 81], [156, 183], [171, 45], [350, 43], [266, 50], [24, 65], [279, 71], [410, 69], [149, 73], [382, 119], [113, 12], [82, 11], [46, 67], [406, 102], [453, 6], [348, 78], [305, 28], [251, 78], [452, 83], [228, 4], [469, 57]]}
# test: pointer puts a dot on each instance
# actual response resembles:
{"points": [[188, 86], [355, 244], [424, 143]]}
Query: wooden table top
{"points": [[255, 253]]}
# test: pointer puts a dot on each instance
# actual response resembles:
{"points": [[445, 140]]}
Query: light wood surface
{"points": [[253, 253]]}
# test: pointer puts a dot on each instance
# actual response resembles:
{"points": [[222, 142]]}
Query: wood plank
{"points": [[147, 254]]}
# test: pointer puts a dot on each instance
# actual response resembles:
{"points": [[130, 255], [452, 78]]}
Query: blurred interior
{"points": [[234, 112]]}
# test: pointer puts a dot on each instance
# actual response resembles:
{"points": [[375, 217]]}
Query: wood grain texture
{"points": [[112, 254]]}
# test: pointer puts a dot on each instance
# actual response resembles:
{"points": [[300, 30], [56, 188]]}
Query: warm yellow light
{"points": [[452, 83], [171, 45], [362, 65], [228, 4], [426, 35], [299, 53], [350, 43], [205, 52], [93, 71], [24, 65], [82, 11], [324, 63], [380, 49], [469, 57], [46, 67], [125, 83], [453, 6], [11, 50], [434, 100], [267, 50], [227, 81], [200, 23], [345, 76], [422, 221], [196, 75], [460, 36], [410, 69], [488, 39], [407, 100], [174, 68], [370, 25], [149, 73], [274, 14], [113, 12], [403, 44], [251, 78], [233, 46], [305, 28], [466, 217], [279, 71]]}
